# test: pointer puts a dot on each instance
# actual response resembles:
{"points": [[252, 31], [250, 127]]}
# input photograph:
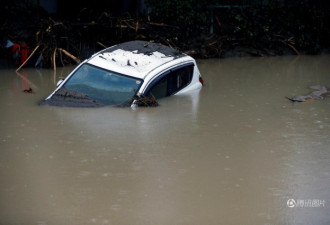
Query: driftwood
{"points": [[54, 60], [50, 36], [315, 95], [35, 49], [288, 43], [102, 45], [70, 55]]}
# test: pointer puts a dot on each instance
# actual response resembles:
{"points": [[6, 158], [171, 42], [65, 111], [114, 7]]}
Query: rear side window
{"points": [[171, 82]]}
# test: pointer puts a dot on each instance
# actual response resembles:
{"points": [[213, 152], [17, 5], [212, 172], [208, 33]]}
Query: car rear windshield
{"points": [[104, 86]]}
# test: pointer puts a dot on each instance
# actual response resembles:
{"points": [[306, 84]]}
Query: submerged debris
{"points": [[315, 95], [68, 98], [30, 91], [144, 101], [50, 39]]}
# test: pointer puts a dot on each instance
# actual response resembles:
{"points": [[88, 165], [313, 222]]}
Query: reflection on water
{"points": [[233, 153]]}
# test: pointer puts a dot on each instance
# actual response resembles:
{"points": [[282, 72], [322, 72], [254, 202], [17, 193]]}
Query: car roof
{"points": [[136, 58]]}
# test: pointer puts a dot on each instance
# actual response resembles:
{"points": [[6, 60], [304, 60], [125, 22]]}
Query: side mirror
{"points": [[59, 82]]}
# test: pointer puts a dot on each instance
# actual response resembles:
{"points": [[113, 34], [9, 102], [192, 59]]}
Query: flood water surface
{"points": [[237, 152]]}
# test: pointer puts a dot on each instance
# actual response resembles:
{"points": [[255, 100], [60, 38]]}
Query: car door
{"points": [[171, 81]]}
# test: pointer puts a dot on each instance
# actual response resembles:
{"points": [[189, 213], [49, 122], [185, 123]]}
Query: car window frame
{"points": [[155, 81]]}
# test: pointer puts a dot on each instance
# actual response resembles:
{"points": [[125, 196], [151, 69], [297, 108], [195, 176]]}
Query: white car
{"points": [[118, 74]]}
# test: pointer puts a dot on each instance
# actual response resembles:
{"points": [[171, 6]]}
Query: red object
{"points": [[15, 48], [20, 53], [24, 52], [201, 80]]}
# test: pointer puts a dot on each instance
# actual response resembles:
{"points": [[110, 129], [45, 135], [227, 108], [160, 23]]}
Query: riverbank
{"points": [[200, 30], [81, 40]]}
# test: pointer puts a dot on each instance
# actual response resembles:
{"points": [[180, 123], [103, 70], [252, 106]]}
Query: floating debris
{"points": [[30, 91], [315, 95], [69, 98], [144, 101], [50, 38]]}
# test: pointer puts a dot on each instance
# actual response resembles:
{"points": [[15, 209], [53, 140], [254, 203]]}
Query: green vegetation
{"points": [[204, 28], [278, 27], [188, 15]]}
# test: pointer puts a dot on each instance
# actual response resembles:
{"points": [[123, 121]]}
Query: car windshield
{"points": [[106, 87]]}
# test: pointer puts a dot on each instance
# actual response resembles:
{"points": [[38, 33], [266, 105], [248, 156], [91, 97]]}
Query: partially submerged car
{"points": [[125, 72]]}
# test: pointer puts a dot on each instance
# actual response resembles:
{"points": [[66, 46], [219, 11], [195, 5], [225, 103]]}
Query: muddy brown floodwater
{"points": [[237, 152]]}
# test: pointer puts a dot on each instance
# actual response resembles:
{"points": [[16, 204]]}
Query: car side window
{"points": [[172, 82]]}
